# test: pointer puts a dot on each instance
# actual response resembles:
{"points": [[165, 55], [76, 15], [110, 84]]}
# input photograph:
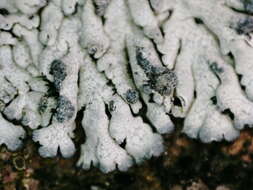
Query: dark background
{"points": [[186, 164]]}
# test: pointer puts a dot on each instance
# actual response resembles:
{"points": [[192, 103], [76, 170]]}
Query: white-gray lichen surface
{"points": [[126, 67]]}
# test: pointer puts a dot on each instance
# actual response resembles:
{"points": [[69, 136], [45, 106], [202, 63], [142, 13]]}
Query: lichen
{"points": [[126, 68]]}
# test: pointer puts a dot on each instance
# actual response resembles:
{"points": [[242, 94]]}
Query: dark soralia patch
{"points": [[164, 83], [245, 26], [58, 70], [65, 110], [132, 96], [43, 105], [248, 5], [142, 61], [161, 79]]}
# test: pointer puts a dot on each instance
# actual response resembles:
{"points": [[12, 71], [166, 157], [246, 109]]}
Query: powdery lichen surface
{"points": [[127, 67]]}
